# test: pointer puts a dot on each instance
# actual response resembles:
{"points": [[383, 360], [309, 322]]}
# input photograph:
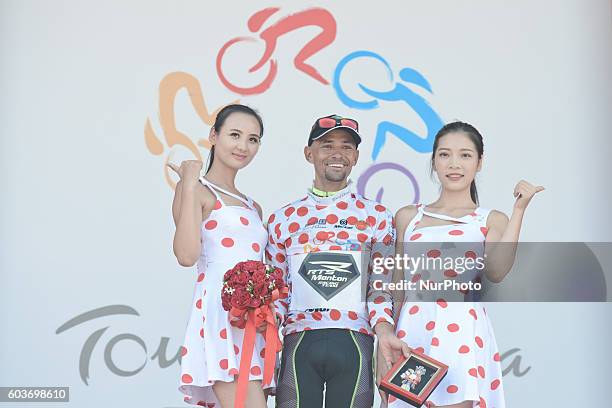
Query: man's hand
{"points": [[262, 327], [390, 349]]}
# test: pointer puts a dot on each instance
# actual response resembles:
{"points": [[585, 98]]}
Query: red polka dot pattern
{"points": [[479, 341], [453, 327], [331, 219]]}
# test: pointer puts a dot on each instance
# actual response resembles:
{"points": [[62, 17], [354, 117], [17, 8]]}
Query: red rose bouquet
{"points": [[250, 284], [248, 294]]}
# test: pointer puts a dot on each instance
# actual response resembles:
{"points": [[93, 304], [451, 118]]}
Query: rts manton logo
{"points": [[328, 273]]}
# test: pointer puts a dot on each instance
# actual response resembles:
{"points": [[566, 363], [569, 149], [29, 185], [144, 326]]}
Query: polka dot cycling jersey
{"points": [[344, 221]]}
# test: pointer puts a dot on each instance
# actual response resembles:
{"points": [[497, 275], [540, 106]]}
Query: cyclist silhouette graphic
{"points": [[399, 92], [311, 17]]}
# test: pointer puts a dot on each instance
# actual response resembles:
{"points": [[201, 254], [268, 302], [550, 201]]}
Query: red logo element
{"points": [[323, 236], [317, 17]]}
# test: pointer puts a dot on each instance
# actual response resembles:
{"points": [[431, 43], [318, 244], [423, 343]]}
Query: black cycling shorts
{"points": [[338, 359]]}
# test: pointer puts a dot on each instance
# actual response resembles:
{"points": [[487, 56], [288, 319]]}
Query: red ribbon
{"points": [[250, 319]]}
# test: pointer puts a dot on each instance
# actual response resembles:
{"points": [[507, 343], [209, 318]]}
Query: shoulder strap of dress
{"points": [[248, 201], [208, 184], [251, 201], [442, 217], [415, 219]]}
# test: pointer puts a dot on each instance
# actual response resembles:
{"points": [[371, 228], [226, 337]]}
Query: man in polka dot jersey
{"points": [[333, 310]]}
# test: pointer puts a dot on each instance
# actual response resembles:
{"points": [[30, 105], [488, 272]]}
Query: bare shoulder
{"points": [[405, 214], [497, 218], [206, 197], [203, 197], [203, 194]]}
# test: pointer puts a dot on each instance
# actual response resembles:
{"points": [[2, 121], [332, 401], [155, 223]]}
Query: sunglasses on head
{"points": [[327, 123]]}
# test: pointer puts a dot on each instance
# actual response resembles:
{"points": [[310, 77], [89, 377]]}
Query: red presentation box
{"points": [[412, 379]]}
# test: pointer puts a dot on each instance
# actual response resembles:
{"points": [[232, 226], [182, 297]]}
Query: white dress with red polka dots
{"points": [[458, 334], [212, 347]]}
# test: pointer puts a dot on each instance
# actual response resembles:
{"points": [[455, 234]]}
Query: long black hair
{"points": [[474, 136], [222, 117]]}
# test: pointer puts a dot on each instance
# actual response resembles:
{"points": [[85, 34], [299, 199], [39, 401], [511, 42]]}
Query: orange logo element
{"points": [[169, 87]]}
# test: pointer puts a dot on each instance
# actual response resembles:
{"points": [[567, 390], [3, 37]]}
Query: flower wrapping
{"points": [[248, 294]]}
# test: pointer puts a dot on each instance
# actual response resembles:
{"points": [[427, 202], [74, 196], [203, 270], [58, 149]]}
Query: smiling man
{"points": [[325, 243]]}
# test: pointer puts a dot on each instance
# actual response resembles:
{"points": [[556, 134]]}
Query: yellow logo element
{"points": [[309, 248]]}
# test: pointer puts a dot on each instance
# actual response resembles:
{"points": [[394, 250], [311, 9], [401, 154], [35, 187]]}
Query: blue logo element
{"points": [[400, 92]]}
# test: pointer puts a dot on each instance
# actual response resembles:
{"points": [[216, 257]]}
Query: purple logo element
{"points": [[375, 168]]}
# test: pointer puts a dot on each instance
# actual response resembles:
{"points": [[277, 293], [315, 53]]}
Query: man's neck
{"points": [[329, 188], [321, 193]]}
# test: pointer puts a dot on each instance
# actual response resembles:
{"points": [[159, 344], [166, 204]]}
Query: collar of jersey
{"points": [[333, 198]]}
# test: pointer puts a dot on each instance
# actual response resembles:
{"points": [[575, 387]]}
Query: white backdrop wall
{"points": [[91, 92]]}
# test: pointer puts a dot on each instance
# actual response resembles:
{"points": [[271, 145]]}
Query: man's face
{"points": [[333, 155]]}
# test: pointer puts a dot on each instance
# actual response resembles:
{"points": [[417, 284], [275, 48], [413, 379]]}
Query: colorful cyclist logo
{"points": [[401, 90], [311, 17]]}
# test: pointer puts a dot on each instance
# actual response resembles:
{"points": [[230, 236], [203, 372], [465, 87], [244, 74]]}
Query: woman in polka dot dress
{"points": [[218, 228], [454, 328]]}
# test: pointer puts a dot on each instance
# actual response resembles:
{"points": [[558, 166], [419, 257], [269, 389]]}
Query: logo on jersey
{"points": [[328, 273], [321, 223]]}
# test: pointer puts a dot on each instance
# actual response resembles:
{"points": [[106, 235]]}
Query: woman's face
{"points": [[237, 141], [456, 161]]}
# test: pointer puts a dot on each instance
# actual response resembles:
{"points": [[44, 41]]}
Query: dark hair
{"points": [[474, 136], [223, 115]]}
